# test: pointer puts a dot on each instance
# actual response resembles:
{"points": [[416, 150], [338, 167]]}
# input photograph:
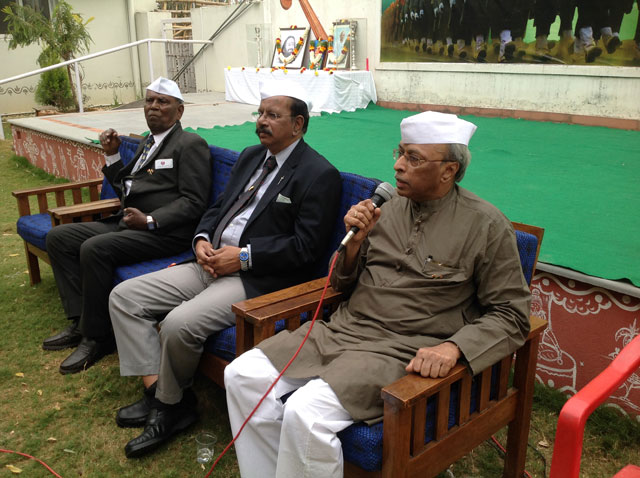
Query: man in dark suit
{"points": [[268, 230], [164, 191]]}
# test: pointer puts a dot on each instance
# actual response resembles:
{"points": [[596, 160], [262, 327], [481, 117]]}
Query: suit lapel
{"points": [[281, 179], [243, 179], [156, 151]]}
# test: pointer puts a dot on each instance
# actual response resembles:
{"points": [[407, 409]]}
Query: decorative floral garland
{"points": [[317, 50], [331, 59], [288, 59]]}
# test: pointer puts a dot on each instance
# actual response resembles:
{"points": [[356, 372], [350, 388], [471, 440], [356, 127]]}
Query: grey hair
{"points": [[461, 154]]}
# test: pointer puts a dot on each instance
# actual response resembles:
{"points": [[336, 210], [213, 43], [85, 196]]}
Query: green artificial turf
{"points": [[581, 183]]}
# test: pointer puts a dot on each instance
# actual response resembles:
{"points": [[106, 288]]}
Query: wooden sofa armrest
{"points": [[405, 412], [406, 391], [256, 318], [23, 195], [87, 212]]}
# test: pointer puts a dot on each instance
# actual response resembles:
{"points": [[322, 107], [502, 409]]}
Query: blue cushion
{"points": [[223, 343], [34, 228], [127, 150], [223, 161], [362, 444], [134, 270], [354, 189], [527, 246]]}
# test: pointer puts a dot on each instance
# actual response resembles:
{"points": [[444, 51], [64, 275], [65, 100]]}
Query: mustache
{"points": [[263, 130]]}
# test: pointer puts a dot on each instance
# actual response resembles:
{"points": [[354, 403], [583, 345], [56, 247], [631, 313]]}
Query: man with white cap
{"points": [[163, 190], [437, 280], [267, 231]]}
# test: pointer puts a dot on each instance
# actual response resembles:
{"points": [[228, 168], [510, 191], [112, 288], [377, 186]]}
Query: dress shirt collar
{"points": [[283, 155]]}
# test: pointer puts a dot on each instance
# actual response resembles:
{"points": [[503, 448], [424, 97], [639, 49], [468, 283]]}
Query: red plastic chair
{"points": [[567, 450]]}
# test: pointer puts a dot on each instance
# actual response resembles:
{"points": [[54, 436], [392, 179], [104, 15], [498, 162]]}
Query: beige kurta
{"points": [[441, 270]]}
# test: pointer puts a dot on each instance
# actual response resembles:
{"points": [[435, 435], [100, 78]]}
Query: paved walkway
{"points": [[201, 110]]}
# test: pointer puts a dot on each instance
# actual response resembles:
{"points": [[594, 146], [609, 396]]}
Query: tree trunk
{"points": [[73, 88]]}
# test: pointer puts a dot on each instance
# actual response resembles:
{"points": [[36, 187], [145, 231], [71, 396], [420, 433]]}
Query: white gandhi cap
{"points": [[432, 127], [283, 87], [164, 86]]}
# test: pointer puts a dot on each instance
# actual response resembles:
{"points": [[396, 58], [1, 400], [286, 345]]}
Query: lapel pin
{"points": [[280, 180], [150, 171]]}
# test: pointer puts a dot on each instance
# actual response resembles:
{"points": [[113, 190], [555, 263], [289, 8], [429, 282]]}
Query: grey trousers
{"points": [[188, 304]]}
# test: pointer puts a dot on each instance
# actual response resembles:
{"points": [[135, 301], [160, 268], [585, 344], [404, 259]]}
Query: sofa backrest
{"points": [[223, 161], [127, 150], [355, 188]]}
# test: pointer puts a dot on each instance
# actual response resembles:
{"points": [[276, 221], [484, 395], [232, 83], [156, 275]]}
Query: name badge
{"points": [[164, 163]]}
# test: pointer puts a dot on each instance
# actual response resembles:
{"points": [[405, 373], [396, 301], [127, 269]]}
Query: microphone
{"points": [[382, 194]]}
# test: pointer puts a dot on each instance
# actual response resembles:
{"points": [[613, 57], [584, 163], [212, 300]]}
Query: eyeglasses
{"points": [[415, 161], [267, 114]]}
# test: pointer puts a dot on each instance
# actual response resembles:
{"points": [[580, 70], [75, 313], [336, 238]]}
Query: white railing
{"points": [[74, 62]]}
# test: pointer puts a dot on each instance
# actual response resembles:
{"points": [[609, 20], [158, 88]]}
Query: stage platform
{"points": [[578, 182], [328, 91]]}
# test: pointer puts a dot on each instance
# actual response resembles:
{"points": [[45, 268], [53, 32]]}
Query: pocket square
{"points": [[283, 199]]}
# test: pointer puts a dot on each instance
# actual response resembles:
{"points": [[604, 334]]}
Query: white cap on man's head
{"points": [[165, 86], [283, 87], [432, 127]]}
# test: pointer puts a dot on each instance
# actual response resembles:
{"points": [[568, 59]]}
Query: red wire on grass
{"points": [[33, 458], [315, 316], [495, 440]]}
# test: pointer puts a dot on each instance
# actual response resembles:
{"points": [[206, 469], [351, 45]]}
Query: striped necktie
{"points": [[243, 200], [145, 152]]}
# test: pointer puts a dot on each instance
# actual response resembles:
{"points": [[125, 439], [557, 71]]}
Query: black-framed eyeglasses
{"points": [[270, 115], [415, 161]]}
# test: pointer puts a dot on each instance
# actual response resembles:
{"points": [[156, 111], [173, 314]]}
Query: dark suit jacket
{"points": [[287, 239], [175, 196]]}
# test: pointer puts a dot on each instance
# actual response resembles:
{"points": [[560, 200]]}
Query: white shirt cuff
{"points": [[112, 158]]}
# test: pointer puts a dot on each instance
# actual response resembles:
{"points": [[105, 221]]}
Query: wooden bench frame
{"points": [[61, 213], [405, 401]]}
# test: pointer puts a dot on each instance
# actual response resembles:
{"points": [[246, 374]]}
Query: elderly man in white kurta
{"points": [[435, 278]]}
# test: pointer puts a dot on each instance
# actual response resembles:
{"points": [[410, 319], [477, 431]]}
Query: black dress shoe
{"points": [[68, 338], [88, 352], [164, 422], [135, 415]]}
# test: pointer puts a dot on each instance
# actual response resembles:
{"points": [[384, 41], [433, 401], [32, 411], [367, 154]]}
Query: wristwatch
{"points": [[244, 259], [151, 223]]}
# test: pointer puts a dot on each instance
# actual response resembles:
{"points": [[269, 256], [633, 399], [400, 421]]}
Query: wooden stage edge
{"points": [[616, 123]]}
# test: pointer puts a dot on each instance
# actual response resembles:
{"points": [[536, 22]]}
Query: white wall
{"points": [[106, 79], [578, 90], [149, 25], [233, 47]]}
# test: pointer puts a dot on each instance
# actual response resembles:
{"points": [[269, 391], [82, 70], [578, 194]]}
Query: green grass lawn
{"points": [[68, 421]]}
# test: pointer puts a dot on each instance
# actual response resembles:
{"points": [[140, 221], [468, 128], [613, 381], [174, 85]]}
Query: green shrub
{"points": [[53, 87]]}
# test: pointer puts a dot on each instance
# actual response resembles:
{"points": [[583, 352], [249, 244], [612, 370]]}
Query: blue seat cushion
{"points": [[223, 343], [34, 229], [362, 444], [134, 270], [527, 247]]}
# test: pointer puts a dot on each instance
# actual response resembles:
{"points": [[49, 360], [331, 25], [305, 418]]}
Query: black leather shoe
{"points": [[135, 415], [164, 422], [88, 352], [68, 338]]}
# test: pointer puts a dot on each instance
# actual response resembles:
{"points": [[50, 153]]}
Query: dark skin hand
{"points": [[110, 141], [217, 262], [135, 219]]}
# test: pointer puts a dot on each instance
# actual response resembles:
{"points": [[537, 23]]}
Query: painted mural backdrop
{"points": [[573, 32]]}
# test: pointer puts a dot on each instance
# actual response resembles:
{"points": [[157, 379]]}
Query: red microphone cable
{"points": [[313, 321], [33, 458]]}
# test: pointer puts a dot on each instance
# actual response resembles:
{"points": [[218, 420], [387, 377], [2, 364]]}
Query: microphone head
{"points": [[384, 192]]}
